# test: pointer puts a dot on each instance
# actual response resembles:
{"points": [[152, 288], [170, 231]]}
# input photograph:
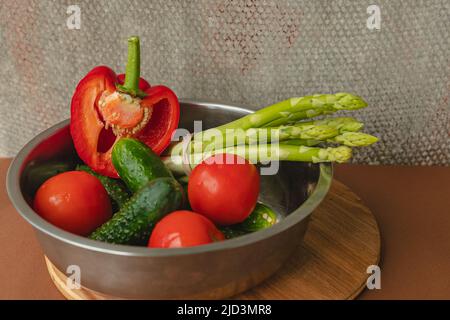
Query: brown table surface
{"points": [[411, 205]]}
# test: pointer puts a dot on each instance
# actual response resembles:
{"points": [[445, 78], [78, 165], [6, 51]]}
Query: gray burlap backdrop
{"points": [[251, 53]]}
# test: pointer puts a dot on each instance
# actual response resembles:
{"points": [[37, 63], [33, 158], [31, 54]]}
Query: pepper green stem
{"points": [[133, 69]]}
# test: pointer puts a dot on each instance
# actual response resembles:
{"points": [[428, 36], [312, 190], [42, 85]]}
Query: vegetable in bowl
{"points": [[74, 201], [106, 107], [224, 188]]}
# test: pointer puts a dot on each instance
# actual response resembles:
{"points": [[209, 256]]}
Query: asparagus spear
{"points": [[316, 104], [297, 116], [308, 132], [281, 133], [319, 129], [319, 105], [265, 153], [342, 124], [351, 139], [303, 142], [304, 133]]}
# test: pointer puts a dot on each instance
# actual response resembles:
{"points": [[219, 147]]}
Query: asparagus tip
{"points": [[348, 101], [338, 154], [356, 139]]}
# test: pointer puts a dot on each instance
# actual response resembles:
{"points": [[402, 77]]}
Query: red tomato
{"points": [[184, 229], [74, 201], [224, 188]]}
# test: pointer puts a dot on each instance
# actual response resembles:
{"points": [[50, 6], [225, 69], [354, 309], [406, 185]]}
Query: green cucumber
{"points": [[114, 187], [137, 164], [37, 173], [133, 223], [262, 217]]}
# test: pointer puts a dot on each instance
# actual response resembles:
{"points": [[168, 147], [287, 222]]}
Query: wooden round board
{"points": [[342, 240]]}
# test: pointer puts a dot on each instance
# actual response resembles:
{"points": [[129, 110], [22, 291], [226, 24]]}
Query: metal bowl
{"points": [[217, 270]]}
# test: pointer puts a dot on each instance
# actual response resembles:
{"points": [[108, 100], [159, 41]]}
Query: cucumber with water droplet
{"points": [[137, 164], [262, 217]]}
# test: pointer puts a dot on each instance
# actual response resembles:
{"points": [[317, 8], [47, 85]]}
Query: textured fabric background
{"points": [[251, 53]]}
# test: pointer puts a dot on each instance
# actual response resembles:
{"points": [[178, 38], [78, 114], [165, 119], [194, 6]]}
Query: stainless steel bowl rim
{"points": [[19, 202]]}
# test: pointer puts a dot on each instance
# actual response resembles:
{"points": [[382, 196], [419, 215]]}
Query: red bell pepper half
{"points": [[106, 107]]}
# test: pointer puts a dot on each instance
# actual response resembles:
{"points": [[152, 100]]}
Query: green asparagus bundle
{"points": [[277, 133], [284, 112]]}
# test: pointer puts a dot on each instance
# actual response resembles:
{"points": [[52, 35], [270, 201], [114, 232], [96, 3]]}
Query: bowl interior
{"points": [[293, 192]]}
